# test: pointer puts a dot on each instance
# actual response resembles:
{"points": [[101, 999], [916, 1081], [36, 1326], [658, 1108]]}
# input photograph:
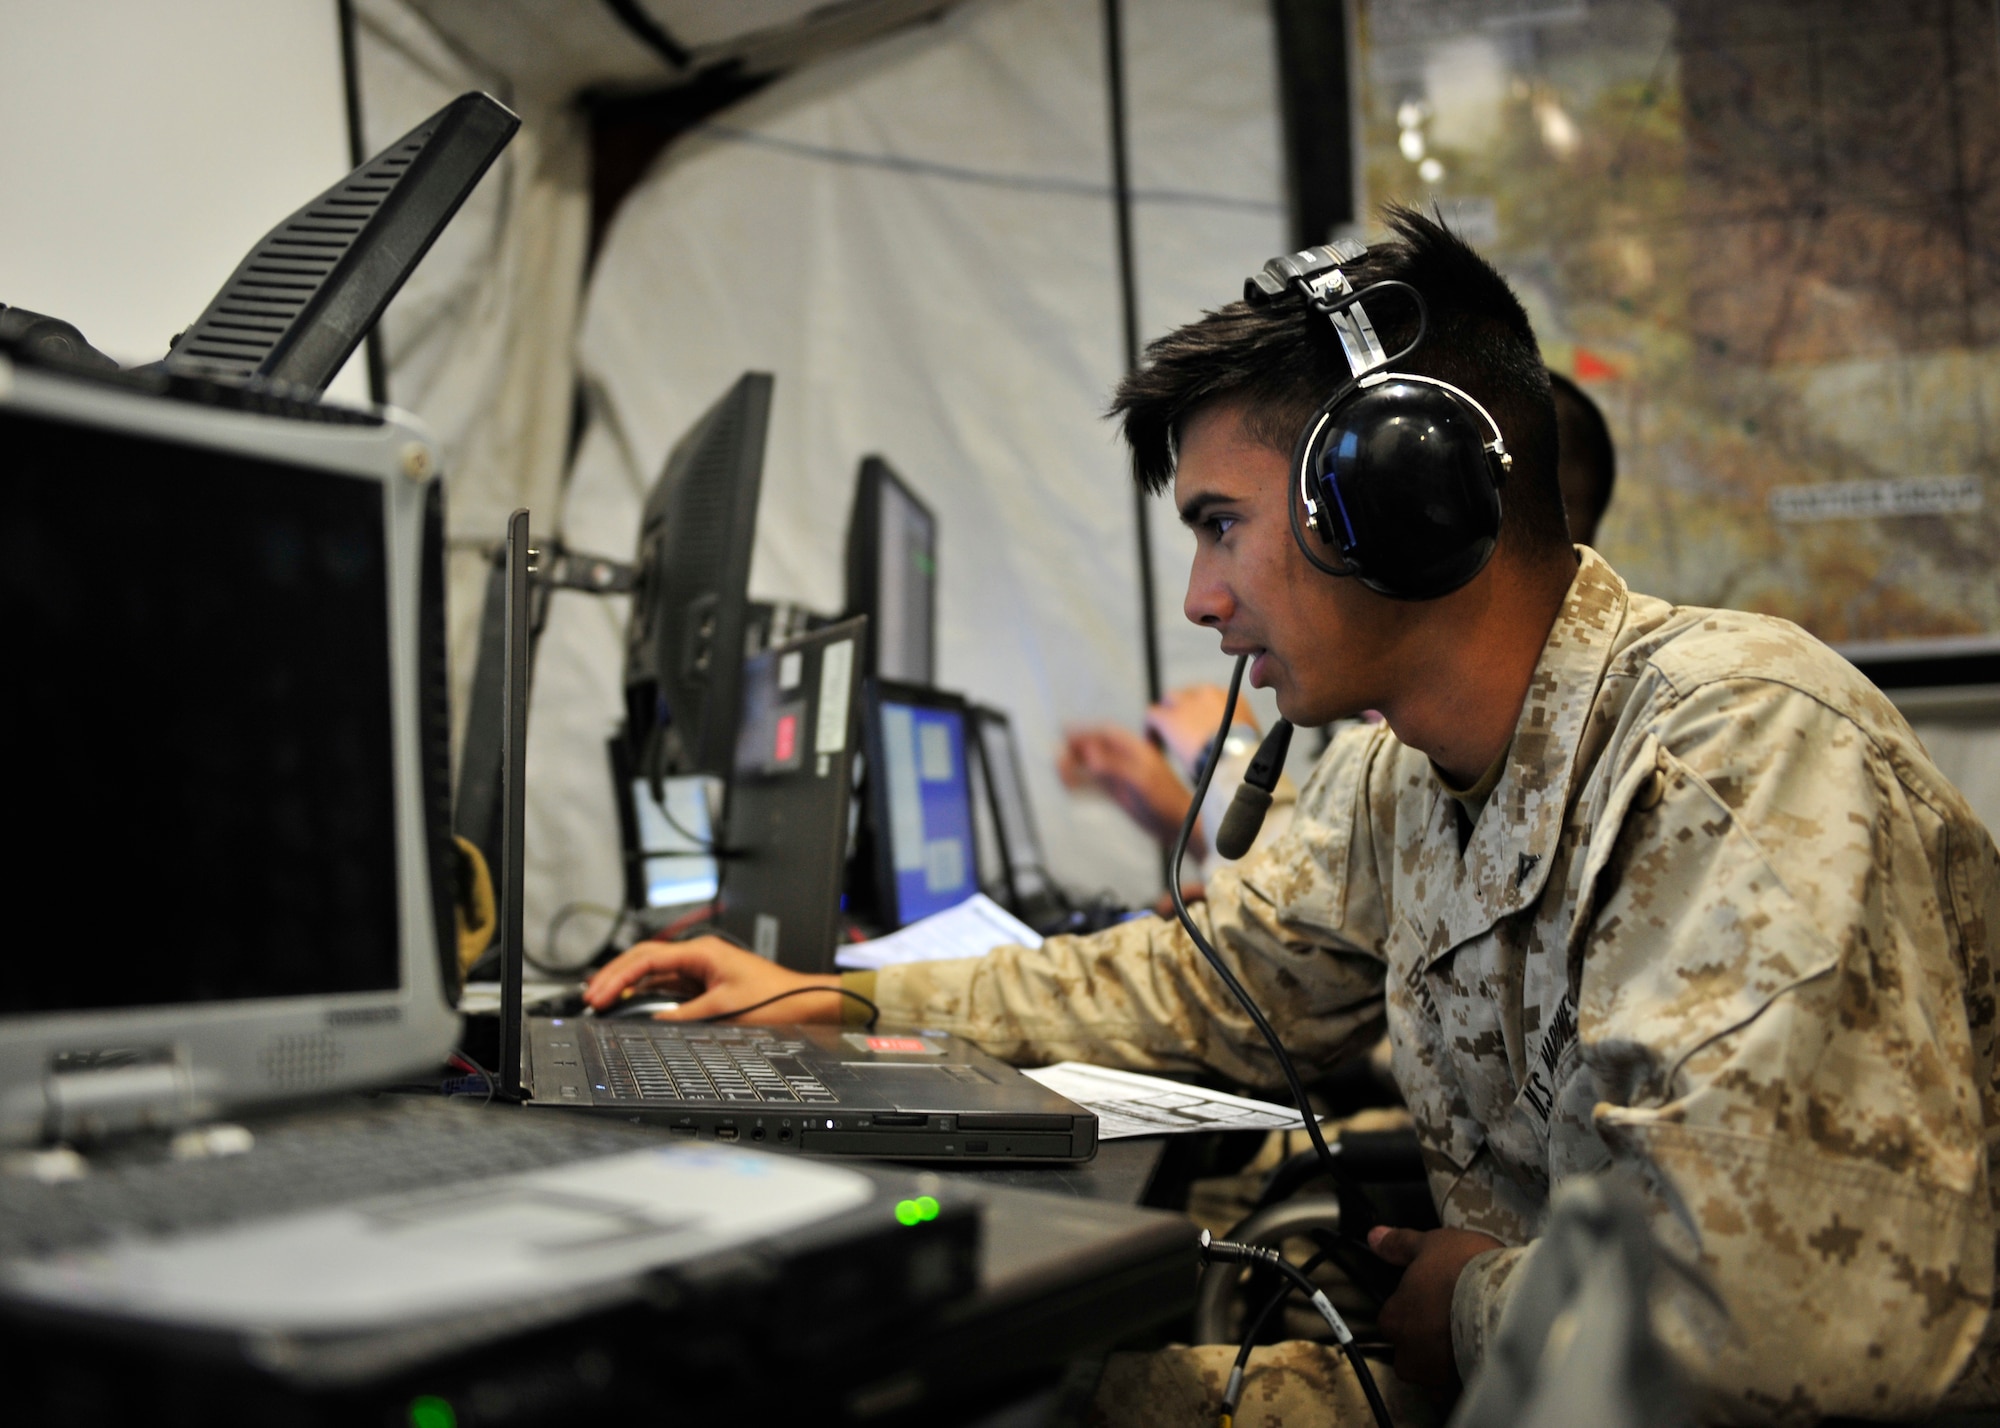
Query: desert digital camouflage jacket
{"points": [[1721, 928]]}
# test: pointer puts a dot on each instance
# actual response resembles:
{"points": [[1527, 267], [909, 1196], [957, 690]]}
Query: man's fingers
{"points": [[642, 963], [1396, 1246]]}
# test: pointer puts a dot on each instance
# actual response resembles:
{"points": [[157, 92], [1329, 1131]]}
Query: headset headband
{"points": [[1317, 275]]}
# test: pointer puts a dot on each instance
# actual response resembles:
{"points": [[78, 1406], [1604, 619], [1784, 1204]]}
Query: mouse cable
{"points": [[1213, 1249], [1236, 988], [874, 1012]]}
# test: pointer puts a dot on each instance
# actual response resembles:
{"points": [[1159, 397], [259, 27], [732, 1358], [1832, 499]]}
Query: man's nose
{"points": [[1208, 600]]}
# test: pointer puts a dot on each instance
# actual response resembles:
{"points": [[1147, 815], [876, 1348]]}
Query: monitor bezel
{"points": [[227, 1056]]}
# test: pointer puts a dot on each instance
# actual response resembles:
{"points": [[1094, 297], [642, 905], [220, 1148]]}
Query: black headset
{"points": [[1399, 474]]}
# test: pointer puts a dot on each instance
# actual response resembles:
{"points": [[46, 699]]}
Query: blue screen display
{"points": [[930, 808]]}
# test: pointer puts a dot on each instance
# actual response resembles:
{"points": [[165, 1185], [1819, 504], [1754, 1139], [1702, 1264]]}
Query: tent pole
{"points": [[1128, 286]]}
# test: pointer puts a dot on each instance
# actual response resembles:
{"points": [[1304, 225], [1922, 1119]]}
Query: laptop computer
{"points": [[902, 1093], [226, 614]]}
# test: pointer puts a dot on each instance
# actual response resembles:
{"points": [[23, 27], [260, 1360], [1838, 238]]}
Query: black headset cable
{"points": [[1327, 1159]]}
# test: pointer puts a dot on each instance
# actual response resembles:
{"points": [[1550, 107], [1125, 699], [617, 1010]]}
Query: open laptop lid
{"points": [[220, 741], [790, 791]]}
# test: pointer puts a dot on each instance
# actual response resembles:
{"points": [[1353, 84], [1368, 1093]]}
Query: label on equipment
{"points": [[836, 677], [899, 1045]]}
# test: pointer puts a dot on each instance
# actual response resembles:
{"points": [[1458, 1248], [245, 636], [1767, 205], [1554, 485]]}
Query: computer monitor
{"points": [[785, 855], [668, 838], [1024, 870], [297, 307], [920, 822], [684, 646], [224, 709], [892, 575]]}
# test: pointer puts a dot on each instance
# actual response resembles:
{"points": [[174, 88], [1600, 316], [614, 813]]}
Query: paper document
{"points": [[971, 929], [1129, 1104]]}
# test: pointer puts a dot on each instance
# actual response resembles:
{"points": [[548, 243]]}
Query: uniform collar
{"points": [[1514, 843]]}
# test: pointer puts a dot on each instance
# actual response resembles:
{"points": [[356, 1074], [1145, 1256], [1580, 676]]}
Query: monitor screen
{"points": [[1000, 762], [201, 722], [676, 842], [892, 574], [684, 646], [928, 800]]}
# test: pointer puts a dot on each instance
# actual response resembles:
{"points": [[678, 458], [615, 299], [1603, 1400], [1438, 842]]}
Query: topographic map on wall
{"points": [[1765, 236]]}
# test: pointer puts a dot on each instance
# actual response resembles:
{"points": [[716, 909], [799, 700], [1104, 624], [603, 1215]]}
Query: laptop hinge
{"points": [[105, 1091]]}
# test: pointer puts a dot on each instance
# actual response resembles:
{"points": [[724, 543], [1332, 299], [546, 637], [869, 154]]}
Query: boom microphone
{"points": [[1253, 797]]}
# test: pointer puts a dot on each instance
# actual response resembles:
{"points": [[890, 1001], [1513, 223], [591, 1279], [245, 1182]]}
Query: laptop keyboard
{"points": [[302, 1162], [645, 1061]]}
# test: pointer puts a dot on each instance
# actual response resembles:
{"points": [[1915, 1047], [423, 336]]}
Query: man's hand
{"points": [[1136, 775], [1186, 719], [714, 978], [1417, 1317]]}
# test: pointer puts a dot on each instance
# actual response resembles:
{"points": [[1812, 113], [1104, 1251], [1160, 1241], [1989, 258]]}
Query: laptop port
{"points": [[757, 1133], [785, 1133], [725, 1132]]}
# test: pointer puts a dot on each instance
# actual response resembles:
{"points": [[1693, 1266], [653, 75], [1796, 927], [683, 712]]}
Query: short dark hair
{"points": [[1283, 362], [1584, 443]]}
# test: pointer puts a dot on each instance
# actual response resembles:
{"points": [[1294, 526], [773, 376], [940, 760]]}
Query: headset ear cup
{"points": [[1405, 485]]}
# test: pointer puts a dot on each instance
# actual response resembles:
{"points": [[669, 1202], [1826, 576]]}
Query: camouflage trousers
{"points": [[1291, 1385]]}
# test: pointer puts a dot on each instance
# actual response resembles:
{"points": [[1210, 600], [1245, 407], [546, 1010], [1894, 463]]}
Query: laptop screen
{"points": [[199, 729], [929, 806]]}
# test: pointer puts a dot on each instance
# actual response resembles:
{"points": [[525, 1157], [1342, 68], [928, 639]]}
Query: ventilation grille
{"points": [[302, 1062], [239, 335]]}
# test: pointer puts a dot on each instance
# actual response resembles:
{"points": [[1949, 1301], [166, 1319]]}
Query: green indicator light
{"points": [[430, 1411], [927, 1208], [908, 1212]]}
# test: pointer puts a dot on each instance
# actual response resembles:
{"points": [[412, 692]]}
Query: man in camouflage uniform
{"points": [[1669, 893]]}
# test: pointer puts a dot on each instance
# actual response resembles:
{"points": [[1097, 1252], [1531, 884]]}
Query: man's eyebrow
{"points": [[1197, 506]]}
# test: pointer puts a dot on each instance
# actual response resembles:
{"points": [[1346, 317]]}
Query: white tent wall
{"points": [[478, 343], [917, 239]]}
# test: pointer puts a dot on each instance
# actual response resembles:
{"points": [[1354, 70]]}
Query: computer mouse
{"points": [[641, 1006]]}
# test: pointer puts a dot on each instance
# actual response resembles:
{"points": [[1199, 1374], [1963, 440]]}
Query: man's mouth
{"points": [[1260, 658]]}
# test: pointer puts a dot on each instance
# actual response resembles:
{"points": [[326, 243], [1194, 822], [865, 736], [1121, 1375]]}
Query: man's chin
{"points": [[1303, 712]]}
